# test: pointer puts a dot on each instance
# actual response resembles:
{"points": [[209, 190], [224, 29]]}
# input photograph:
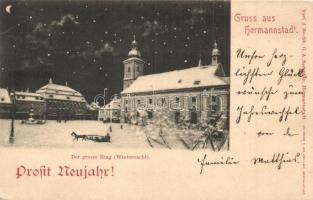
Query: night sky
{"points": [[85, 43]]}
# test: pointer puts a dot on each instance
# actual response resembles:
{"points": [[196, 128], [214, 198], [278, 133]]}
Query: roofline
{"points": [[136, 58], [33, 94], [28, 100], [54, 89], [67, 100], [68, 95], [176, 70], [176, 90]]}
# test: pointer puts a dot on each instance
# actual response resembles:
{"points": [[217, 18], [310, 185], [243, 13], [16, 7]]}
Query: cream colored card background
{"points": [[174, 174]]}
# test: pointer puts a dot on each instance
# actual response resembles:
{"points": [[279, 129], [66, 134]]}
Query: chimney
{"points": [[66, 83]]}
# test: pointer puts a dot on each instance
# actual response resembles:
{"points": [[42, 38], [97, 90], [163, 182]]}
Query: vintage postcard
{"points": [[156, 100]]}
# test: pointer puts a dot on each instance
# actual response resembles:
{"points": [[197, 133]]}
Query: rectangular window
{"points": [[194, 99], [150, 114], [138, 101], [128, 72], [163, 101], [177, 99], [150, 101], [214, 104], [126, 101], [213, 99]]}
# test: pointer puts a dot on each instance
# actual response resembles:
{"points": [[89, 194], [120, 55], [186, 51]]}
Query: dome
{"points": [[134, 52]]}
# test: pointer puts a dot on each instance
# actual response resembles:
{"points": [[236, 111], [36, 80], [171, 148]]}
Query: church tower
{"points": [[133, 65], [215, 55]]}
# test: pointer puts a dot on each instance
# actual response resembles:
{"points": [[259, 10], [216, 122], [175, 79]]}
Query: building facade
{"points": [[28, 102], [112, 111], [63, 102], [52, 101], [193, 95]]}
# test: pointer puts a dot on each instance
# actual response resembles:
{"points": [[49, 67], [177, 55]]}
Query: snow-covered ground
{"points": [[54, 134]]}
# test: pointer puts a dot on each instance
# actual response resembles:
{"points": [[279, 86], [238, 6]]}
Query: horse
{"points": [[76, 136]]}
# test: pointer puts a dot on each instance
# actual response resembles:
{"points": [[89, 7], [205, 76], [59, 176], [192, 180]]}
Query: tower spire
{"points": [[133, 65], [134, 52], [215, 54], [200, 60], [50, 81]]}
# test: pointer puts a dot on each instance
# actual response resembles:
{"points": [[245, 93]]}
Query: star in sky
{"points": [[75, 34]]}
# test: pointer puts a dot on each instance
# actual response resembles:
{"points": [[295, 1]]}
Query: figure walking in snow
{"points": [[108, 137]]}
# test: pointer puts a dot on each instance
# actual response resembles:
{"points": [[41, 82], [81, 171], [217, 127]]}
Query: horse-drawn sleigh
{"points": [[95, 138]]}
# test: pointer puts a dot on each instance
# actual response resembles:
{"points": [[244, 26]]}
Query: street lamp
{"points": [[12, 137], [105, 89]]}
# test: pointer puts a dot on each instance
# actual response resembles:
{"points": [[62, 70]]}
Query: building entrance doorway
{"points": [[177, 116], [193, 117]]}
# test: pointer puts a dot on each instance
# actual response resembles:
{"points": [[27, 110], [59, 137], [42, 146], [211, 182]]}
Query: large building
{"points": [[194, 95], [28, 102], [52, 101], [63, 102]]}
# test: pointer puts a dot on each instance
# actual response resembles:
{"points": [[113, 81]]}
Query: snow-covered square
{"points": [[56, 135]]}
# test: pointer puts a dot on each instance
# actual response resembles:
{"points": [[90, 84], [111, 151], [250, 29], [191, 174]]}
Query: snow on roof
{"points": [[114, 104], [28, 96], [193, 77], [60, 92], [56, 87], [133, 58], [4, 96]]}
